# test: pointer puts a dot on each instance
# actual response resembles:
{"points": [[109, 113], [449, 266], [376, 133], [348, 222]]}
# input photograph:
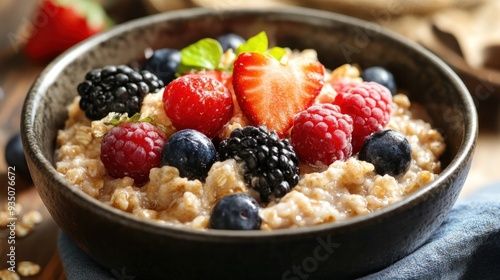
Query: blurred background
{"points": [[464, 33]]}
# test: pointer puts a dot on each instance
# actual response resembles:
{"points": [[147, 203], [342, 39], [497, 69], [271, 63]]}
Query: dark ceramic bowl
{"points": [[122, 242]]}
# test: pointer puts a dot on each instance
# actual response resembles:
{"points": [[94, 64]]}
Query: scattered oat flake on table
{"points": [[26, 268], [23, 230], [4, 219], [6, 274], [32, 218], [18, 208]]}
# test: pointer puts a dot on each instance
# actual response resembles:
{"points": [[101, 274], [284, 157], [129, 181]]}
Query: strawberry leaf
{"points": [[204, 54]]}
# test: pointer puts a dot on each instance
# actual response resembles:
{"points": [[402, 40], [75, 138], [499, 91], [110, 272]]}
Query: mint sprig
{"points": [[276, 52], [204, 54], [257, 43], [207, 53], [260, 44]]}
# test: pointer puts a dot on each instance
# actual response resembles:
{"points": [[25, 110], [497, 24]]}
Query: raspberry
{"points": [[198, 102], [369, 104], [132, 149], [119, 89], [343, 85], [322, 134], [271, 165]]}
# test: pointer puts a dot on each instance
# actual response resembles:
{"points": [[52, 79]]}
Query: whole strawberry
{"points": [[370, 105], [322, 134], [132, 149], [198, 102], [62, 24], [221, 76]]}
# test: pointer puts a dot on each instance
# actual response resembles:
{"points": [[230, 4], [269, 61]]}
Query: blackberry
{"points": [[118, 89], [271, 165]]}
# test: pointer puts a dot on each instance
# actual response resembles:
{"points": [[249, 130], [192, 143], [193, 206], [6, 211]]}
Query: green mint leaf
{"points": [[276, 52], [204, 54], [257, 43]]}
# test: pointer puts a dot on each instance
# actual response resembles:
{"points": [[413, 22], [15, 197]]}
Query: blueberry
{"points": [[389, 151], [380, 75], [191, 152], [14, 156], [164, 63], [236, 212], [230, 41]]}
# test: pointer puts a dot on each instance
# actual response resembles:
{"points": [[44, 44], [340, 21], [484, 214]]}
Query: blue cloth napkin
{"points": [[465, 246]]}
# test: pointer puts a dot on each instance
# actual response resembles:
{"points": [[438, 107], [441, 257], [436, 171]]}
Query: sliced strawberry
{"points": [[62, 26], [270, 93]]}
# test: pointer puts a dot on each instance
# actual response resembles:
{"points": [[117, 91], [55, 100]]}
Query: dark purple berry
{"points": [[271, 164], [191, 152], [164, 63], [15, 158], [389, 151], [236, 212], [380, 75], [119, 89], [230, 41]]}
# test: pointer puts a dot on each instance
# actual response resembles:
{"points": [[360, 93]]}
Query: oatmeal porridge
{"points": [[326, 188]]}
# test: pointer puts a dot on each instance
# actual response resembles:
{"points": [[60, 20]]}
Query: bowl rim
{"points": [[48, 75]]}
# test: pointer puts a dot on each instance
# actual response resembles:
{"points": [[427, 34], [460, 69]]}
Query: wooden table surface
{"points": [[40, 246], [17, 75]]}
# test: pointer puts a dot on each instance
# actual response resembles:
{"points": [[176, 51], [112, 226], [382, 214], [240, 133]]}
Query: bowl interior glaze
{"points": [[154, 251]]}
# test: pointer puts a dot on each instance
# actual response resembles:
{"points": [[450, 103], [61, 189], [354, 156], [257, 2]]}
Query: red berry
{"points": [[270, 93], [59, 25], [322, 134], [132, 149], [369, 104], [198, 102], [221, 76], [341, 86]]}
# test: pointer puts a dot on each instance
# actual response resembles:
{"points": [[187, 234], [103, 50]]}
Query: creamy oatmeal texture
{"points": [[345, 189]]}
